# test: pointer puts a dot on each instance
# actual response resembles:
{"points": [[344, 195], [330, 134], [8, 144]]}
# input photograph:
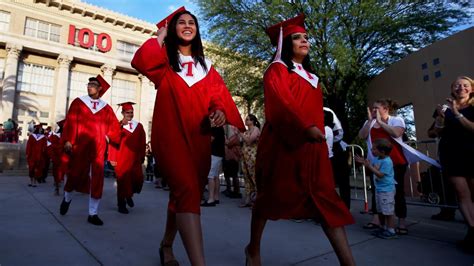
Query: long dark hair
{"points": [[172, 41], [287, 55], [254, 120]]}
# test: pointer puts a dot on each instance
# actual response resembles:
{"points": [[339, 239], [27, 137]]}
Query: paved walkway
{"points": [[33, 233]]}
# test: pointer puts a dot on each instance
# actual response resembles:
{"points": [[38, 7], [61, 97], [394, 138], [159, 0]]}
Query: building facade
{"points": [[49, 49], [423, 78]]}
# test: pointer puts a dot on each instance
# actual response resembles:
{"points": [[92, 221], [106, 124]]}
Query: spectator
{"points": [[249, 154], [2, 133], [231, 162], [380, 124], [217, 154], [8, 128], [149, 164], [456, 122], [339, 161], [382, 168]]}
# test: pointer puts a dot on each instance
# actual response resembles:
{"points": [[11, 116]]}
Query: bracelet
{"points": [[459, 116]]}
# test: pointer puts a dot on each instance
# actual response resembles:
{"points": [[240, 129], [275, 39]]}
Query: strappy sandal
{"points": [[371, 226], [401, 231], [172, 262]]}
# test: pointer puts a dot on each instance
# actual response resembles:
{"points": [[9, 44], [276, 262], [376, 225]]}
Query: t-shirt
{"points": [[397, 156], [387, 182]]}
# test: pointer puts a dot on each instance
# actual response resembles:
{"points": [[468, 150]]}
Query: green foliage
{"points": [[352, 41]]}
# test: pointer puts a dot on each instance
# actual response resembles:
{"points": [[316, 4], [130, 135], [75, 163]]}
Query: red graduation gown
{"points": [[129, 156], [294, 176], [55, 151], [35, 155], [86, 131], [181, 137]]}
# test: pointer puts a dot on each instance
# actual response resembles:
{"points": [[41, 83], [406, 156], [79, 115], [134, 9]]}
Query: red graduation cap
{"points": [[165, 21], [290, 26], [103, 83], [126, 106]]}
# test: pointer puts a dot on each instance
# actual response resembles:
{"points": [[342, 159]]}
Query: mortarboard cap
{"points": [[165, 21], [290, 26], [103, 83], [126, 106]]}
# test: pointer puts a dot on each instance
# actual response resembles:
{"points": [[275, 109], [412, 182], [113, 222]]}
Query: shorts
{"points": [[216, 167], [385, 202]]}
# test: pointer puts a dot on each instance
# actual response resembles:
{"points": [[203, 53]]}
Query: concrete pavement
{"points": [[33, 233]]}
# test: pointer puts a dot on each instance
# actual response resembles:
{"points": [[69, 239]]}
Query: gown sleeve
{"points": [[222, 100], [69, 132], [281, 110], [151, 60]]}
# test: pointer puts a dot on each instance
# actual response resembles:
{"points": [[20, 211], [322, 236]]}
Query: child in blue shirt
{"points": [[382, 167]]}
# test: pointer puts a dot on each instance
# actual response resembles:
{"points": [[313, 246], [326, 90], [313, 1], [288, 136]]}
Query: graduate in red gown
{"points": [[293, 170], [35, 151], [90, 125], [191, 97], [128, 158], [55, 152]]}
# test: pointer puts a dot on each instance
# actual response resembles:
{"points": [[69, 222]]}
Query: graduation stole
{"points": [[38, 136], [94, 105], [310, 77], [130, 126], [192, 72]]}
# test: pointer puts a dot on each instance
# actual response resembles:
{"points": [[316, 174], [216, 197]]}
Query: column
{"points": [[60, 107], [9, 82], [146, 94], [107, 73]]}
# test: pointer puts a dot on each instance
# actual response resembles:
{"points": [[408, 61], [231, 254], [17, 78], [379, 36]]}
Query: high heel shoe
{"points": [[247, 257], [172, 262]]}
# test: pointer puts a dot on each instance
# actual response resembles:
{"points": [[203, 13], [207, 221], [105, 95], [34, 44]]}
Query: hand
{"points": [[67, 147], [453, 105], [361, 160], [378, 117], [113, 163], [162, 31], [315, 135], [440, 109], [369, 114], [217, 118]]}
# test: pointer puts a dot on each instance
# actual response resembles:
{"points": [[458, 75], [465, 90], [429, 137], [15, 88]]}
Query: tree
{"points": [[352, 40]]}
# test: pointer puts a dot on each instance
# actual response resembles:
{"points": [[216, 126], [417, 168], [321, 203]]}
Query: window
{"points": [[437, 74], [426, 78], [2, 67], [424, 66], [35, 78], [32, 113], [44, 114], [123, 91], [435, 61], [42, 30], [4, 21], [77, 85], [126, 49]]}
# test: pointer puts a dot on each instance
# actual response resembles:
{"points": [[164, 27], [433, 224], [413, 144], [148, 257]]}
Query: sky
{"points": [[148, 10]]}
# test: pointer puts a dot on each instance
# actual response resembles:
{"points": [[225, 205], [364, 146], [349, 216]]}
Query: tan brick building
{"points": [[424, 77], [48, 50]]}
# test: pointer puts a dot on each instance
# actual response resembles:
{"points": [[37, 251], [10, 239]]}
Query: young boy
{"points": [[382, 167]]}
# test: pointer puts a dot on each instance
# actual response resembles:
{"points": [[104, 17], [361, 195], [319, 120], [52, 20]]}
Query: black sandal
{"points": [[371, 226], [172, 262]]}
